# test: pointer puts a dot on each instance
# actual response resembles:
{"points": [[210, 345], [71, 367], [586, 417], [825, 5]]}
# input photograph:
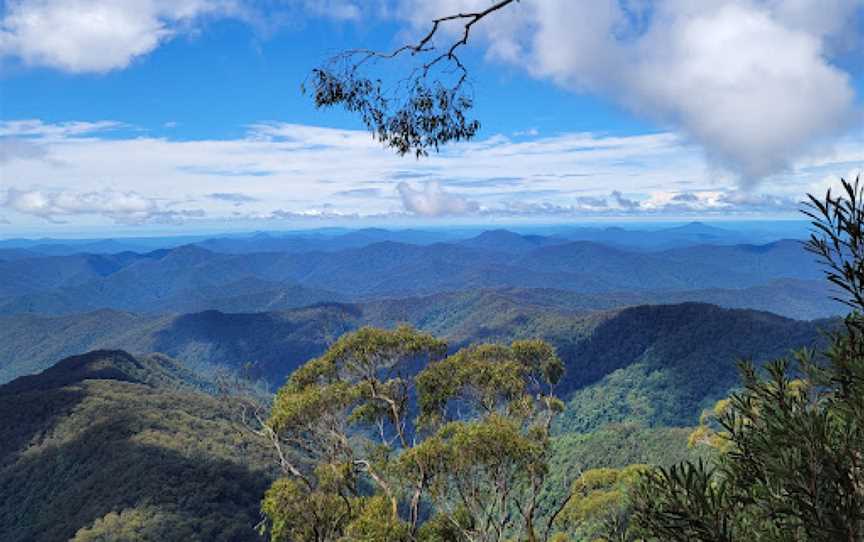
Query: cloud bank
{"points": [[572, 176]]}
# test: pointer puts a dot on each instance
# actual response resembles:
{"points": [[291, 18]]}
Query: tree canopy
{"points": [[384, 437]]}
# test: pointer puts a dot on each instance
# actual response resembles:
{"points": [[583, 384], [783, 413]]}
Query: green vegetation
{"points": [[656, 365], [469, 463], [661, 365], [789, 445], [109, 447], [600, 507]]}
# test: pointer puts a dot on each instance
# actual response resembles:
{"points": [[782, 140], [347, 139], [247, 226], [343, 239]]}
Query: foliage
{"points": [[661, 365], [599, 507], [426, 109], [422, 115], [790, 443], [110, 447], [838, 239], [384, 438]]}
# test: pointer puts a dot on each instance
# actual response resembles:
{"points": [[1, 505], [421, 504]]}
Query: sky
{"points": [[135, 117]]}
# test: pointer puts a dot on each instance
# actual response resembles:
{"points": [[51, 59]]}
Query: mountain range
{"points": [[637, 236], [126, 438], [191, 278]]}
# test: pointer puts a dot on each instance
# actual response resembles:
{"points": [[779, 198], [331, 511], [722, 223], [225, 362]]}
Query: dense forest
{"points": [[106, 446]]}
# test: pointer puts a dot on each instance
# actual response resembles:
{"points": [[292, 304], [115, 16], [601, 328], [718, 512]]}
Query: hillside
{"points": [[105, 446], [652, 363], [792, 298], [661, 365]]}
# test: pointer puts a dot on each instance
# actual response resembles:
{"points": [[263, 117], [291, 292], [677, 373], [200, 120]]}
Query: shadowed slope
{"points": [[105, 436]]}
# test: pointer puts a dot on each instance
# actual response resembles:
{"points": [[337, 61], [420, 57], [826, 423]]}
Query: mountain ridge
{"points": [[103, 446]]}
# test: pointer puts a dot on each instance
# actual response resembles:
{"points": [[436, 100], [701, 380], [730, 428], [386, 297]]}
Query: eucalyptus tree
{"points": [[428, 101], [384, 437]]}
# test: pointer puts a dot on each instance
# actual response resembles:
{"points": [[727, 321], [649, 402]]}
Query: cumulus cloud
{"points": [[97, 35], [121, 207], [685, 197], [755, 83], [746, 200], [623, 202], [705, 203], [432, 201], [752, 81], [81, 36]]}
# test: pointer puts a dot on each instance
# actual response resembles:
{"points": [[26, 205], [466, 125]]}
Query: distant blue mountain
{"points": [[192, 277], [510, 242], [633, 236]]}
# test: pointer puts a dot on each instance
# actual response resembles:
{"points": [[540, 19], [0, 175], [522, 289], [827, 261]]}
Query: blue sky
{"points": [[231, 74], [141, 116]]}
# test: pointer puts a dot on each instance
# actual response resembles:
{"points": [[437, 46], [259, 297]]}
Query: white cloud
{"points": [[12, 148], [38, 129], [433, 201], [288, 172], [97, 35], [622, 202], [235, 198], [121, 207], [832, 181], [751, 81], [334, 9]]}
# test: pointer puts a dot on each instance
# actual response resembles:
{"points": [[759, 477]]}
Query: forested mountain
{"points": [[191, 278], [106, 446], [655, 364], [693, 233], [661, 365], [25, 275]]}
